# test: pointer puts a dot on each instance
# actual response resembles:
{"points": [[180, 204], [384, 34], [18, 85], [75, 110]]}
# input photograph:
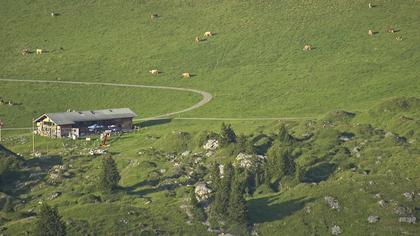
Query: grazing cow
{"points": [[197, 39], [186, 75], [370, 5], [25, 51], [39, 51], [307, 47], [370, 33], [208, 34], [153, 16], [154, 72]]}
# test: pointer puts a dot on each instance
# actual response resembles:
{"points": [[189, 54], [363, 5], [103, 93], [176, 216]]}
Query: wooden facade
{"points": [[76, 124]]}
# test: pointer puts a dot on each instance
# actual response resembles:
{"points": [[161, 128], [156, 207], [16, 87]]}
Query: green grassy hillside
{"points": [[254, 65]]}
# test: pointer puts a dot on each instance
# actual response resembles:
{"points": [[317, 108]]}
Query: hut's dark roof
{"points": [[68, 118]]}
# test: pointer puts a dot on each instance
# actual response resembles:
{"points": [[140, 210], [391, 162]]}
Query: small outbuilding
{"points": [[82, 123]]}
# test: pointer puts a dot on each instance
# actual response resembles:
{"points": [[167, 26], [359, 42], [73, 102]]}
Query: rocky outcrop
{"points": [[332, 202], [211, 145], [202, 192]]}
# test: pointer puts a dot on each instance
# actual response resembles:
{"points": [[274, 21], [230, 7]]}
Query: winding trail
{"points": [[206, 98]]}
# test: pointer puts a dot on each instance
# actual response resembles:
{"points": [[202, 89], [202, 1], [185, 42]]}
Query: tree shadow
{"points": [[147, 191], [267, 209], [45, 162], [262, 143], [158, 121], [319, 172]]}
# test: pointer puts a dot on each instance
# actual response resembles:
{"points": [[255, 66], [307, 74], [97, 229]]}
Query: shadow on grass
{"points": [[266, 209], [319, 172], [45, 162], [146, 191], [154, 122]]}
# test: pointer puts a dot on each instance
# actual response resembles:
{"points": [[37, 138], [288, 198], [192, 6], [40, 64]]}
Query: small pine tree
{"points": [[215, 176], [227, 135], [284, 136], [221, 201], [198, 212], [109, 176], [49, 222], [289, 164], [275, 164], [244, 145], [237, 211]]}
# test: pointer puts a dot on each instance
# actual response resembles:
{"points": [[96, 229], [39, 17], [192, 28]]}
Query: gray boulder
{"points": [[407, 219], [336, 230], [332, 202], [373, 219]]}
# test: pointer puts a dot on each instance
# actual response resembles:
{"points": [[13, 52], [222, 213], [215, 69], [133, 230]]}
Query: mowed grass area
{"points": [[254, 65], [33, 100]]}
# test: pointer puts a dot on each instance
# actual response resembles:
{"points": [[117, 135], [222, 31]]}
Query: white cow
{"points": [[186, 75], [208, 34], [154, 72]]}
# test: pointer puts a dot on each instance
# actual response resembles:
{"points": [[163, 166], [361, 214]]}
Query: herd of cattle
{"points": [[208, 34]]}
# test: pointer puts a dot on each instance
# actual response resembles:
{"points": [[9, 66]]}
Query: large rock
{"points": [[332, 202], [336, 230], [249, 162], [211, 145], [373, 219], [202, 192], [245, 160], [407, 219], [409, 196]]}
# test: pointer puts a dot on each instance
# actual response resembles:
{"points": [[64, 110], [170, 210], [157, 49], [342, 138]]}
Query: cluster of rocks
{"points": [[356, 150], [405, 214], [54, 195], [202, 192], [332, 202], [249, 162], [336, 230], [409, 195], [97, 152], [15, 139], [211, 146], [373, 219], [57, 173], [394, 137]]}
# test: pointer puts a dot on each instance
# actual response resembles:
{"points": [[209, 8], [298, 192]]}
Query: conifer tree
{"points": [[237, 211], [284, 136], [198, 212], [109, 176], [227, 135], [49, 222], [221, 201], [215, 176], [275, 162], [244, 145]]}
